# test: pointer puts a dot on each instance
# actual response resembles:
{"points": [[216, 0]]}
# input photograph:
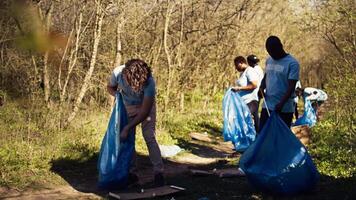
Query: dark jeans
{"points": [[253, 106], [286, 117]]}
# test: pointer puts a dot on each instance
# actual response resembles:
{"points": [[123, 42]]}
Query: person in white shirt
{"points": [[298, 92], [253, 61], [247, 87]]}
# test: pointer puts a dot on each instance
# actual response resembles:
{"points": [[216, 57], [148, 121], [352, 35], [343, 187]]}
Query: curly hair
{"points": [[136, 73]]}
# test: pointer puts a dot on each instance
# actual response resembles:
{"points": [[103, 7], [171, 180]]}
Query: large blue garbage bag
{"points": [[238, 123], [277, 162], [115, 155], [309, 115]]}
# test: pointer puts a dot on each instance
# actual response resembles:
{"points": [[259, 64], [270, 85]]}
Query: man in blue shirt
{"points": [[281, 76], [135, 82]]}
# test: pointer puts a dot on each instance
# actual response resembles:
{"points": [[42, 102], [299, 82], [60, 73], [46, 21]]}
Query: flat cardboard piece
{"points": [[201, 137], [222, 173], [148, 193]]}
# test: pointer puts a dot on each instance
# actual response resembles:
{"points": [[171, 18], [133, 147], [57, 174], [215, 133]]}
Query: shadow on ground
{"points": [[212, 129], [202, 150], [82, 176]]}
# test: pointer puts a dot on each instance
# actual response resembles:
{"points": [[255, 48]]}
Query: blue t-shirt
{"points": [[278, 72], [129, 96], [246, 77]]}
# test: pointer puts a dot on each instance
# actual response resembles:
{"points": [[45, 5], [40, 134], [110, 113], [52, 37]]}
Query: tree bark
{"points": [[46, 83], [73, 56], [168, 54], [86, 82], [119, 26]]}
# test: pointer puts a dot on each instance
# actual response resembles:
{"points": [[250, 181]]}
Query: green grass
{"points": [[30, 137], [35, 153], [333, 150]]}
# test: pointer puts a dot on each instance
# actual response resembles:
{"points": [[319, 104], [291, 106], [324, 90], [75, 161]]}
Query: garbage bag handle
{"points": [[264, 101]]}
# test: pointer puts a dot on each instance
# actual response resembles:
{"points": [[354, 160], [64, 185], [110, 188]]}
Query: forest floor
{"points": [[81, 178], [78, 176]]}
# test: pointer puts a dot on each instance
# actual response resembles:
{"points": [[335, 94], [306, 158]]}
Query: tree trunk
{"points": [[168, 54], [118, 52], [86, 82], [73, 55], [46, 78], [119, 25], [46, 83]]}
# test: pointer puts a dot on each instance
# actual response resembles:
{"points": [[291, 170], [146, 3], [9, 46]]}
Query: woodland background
{"points": [[56, 57]]}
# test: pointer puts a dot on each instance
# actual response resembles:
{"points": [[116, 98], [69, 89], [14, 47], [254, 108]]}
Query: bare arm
{"points": [[140, 117], [251, 86], [263, 83], [111, 89], [287, 95], [143, 113], [261, 93]]}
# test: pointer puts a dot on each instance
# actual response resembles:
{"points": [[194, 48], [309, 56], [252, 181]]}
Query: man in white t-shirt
{"points": [[298, 91], [247, 87], [253, 61], [282, 74]]}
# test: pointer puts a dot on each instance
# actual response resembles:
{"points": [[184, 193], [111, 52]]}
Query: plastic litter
{"points": [[169, 150], [309, 116]]}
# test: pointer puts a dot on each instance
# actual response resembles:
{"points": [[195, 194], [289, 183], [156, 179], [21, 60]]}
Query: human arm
{"points": [[251, 77], [144, 112], [286, 96], [111, 89], [261, 93], [251, 86], [145, 109], [293, 77], [112, 81]]}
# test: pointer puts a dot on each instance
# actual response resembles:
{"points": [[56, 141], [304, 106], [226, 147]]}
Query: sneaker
{"points": [[159, 180], [132, 179]]}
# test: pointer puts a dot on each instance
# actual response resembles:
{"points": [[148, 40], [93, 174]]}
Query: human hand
{"points": [[235, 89], [124, 133], [278, 107]]}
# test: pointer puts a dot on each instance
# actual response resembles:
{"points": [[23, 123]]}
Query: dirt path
{"points": [[81, 178]]}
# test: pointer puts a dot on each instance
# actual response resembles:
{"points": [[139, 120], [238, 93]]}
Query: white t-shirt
{"points": [[246, 77], [278, 72], [297, 85], [260, 73]]}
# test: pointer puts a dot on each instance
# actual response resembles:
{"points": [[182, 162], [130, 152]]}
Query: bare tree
{"points": [[88, 75]]}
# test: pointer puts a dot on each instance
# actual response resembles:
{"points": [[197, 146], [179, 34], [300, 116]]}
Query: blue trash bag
{"points": [[238, 123], [115, 155], [277, 162], [309, 115]]}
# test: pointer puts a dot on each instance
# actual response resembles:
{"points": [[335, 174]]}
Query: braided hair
{"points": [[136, 73]]}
